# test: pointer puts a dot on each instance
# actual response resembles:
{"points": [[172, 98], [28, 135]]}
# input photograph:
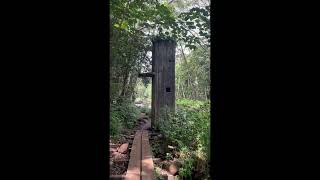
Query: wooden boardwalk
{"points": [[140, 164]]}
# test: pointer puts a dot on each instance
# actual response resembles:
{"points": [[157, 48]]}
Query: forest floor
{"points": [[119, 160], [120, 147], [164, 155]]}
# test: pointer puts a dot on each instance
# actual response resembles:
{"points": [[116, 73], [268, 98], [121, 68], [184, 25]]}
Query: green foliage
{"points": [[143, 93], [169, 156], [188, 103], [123, 114], [115, 123], [145, 110], [133, 26], [158, 174], [196, 126], [193, 139], [160, 19], [188, 166], [193, 75]]}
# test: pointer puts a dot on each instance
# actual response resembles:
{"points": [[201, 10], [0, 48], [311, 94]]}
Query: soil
{"points": [[119, 161]]}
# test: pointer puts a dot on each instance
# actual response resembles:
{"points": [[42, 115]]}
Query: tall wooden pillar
{"points": [[163, 81]]}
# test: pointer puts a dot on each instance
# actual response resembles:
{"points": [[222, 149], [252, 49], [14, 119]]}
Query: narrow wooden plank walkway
{"points": [[140, 164], [147, 167]]}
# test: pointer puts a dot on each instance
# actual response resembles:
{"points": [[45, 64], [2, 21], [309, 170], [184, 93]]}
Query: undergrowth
{"points": [[123, 114], [188, 129], [145, 110]]}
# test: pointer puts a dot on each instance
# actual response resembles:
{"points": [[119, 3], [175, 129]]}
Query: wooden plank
{"points": [[134, 167], [148, 74], [147, 169]]}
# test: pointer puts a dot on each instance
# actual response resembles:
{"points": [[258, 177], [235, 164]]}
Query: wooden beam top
{"points": [[148, 74]]}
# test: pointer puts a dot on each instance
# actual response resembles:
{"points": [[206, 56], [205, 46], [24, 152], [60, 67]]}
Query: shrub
{"points": [[115, 123], [122, 114], [188, 128], [188, 103], [145, 110]]}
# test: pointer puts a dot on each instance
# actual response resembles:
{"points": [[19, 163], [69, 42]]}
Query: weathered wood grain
{"points": [[163, 83], [134, 167], [147, 169]]}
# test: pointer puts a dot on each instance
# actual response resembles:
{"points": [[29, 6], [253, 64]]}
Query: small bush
{"points": [[122, 114], [143, 109], [188, 103], [146, 110], [188, 128], [115, 123]]}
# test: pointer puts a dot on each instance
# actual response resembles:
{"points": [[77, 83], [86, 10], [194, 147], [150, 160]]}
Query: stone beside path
{"points": [[123, 148], [140, 164]]}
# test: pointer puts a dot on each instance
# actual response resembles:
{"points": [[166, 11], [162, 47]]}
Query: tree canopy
{"points": [[135, 23]]}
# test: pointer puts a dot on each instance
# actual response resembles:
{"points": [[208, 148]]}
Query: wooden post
{"points": [[163, 82]]}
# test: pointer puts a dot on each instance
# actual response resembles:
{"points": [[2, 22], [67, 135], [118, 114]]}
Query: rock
{"points": [[123, 148], [173, 169], [171, 177], [119, 157], [164, 172]]}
